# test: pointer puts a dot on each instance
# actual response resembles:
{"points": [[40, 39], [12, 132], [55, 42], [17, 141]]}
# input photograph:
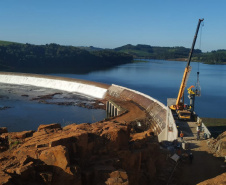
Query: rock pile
{"points": [[218, 145]]}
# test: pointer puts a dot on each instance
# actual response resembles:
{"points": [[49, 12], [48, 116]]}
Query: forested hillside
{"points": [[213, 57], [154, 52], [173, 53], [54, 57]]}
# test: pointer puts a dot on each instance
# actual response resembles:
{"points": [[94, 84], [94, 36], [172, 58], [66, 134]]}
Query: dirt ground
{"points": [[204, 165], [134, 112]]}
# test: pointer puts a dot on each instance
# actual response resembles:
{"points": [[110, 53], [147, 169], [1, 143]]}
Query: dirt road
{"points": [[203, 167]]}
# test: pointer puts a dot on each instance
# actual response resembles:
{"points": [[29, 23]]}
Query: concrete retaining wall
{"points": [[204, 129], [172, 131], [156, 109]]}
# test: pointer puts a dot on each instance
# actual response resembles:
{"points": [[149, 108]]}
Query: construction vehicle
{"points": [[184, 112]]}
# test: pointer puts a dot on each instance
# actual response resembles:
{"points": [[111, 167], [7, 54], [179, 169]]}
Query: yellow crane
{"points": [[179, 106]]}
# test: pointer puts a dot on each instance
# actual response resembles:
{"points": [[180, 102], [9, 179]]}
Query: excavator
{"points": [[184, 112]]}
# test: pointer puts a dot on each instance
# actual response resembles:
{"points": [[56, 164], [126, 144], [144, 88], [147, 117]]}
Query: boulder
{"points": [[116, 136], [56, 156], [49, 127], [118, 178], [5, 179], [218, 145], [26, 171], [22, 135], [63, 172], [3, 130], [69, 127]]}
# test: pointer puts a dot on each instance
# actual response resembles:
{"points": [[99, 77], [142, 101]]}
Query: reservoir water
{"points": [[161, 79], [157, 78]]}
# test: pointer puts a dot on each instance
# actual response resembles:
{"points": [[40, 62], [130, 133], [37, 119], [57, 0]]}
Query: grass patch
{"points": [[5, 43], [13, 143], [139, 60], [209, 122]]}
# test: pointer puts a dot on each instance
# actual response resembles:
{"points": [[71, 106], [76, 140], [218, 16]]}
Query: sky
{"points": [[114, 23]]}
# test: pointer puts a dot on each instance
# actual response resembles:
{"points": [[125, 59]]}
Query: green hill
{"points": [[155, 52], [56, 58], [213, 57], [90, 48], [28, 55], [173, 53], [5, 43]]}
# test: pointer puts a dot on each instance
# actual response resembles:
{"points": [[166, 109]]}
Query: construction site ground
{"points": [[204, 164]]}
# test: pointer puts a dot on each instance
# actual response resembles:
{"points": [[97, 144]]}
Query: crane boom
{"points": [[186, 72], [194, 41]]}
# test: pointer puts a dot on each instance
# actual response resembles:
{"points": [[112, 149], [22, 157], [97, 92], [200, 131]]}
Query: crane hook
{"points": [[197, 86]]}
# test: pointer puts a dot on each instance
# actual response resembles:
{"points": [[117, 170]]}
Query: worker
{"points": [[190, 157], [181, 136], [178, 150], [198, 132]]}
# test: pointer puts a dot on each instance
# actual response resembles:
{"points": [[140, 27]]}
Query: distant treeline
{"points": [[213, 57], [154, 52], [173, 53], [57, 58], [52, 58]]}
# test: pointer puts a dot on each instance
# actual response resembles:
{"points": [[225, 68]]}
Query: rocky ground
{"points": [[99, 153], [112, 151]]}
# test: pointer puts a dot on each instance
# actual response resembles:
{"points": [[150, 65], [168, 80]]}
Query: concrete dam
{"points": [[162, 124]]}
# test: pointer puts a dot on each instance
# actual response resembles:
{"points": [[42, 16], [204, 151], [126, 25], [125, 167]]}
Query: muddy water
{"points": [[26, 107]]}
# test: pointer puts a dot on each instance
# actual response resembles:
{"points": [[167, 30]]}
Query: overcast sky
{"points": [[113, 23]]}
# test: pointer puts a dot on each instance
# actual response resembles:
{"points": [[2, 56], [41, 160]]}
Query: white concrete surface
{"points": [[70, 86]]}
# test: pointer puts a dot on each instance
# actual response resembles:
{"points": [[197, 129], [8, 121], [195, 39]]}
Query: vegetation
{"points": [[173, 53], [90, 48], [214, 121], [13, 142], [5, 43], [56, 58], [53, 58], [213, 57], [153, 52]]}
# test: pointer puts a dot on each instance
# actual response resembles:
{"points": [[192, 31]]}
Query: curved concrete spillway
{"points": [[92, 89], [163, 123]]}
